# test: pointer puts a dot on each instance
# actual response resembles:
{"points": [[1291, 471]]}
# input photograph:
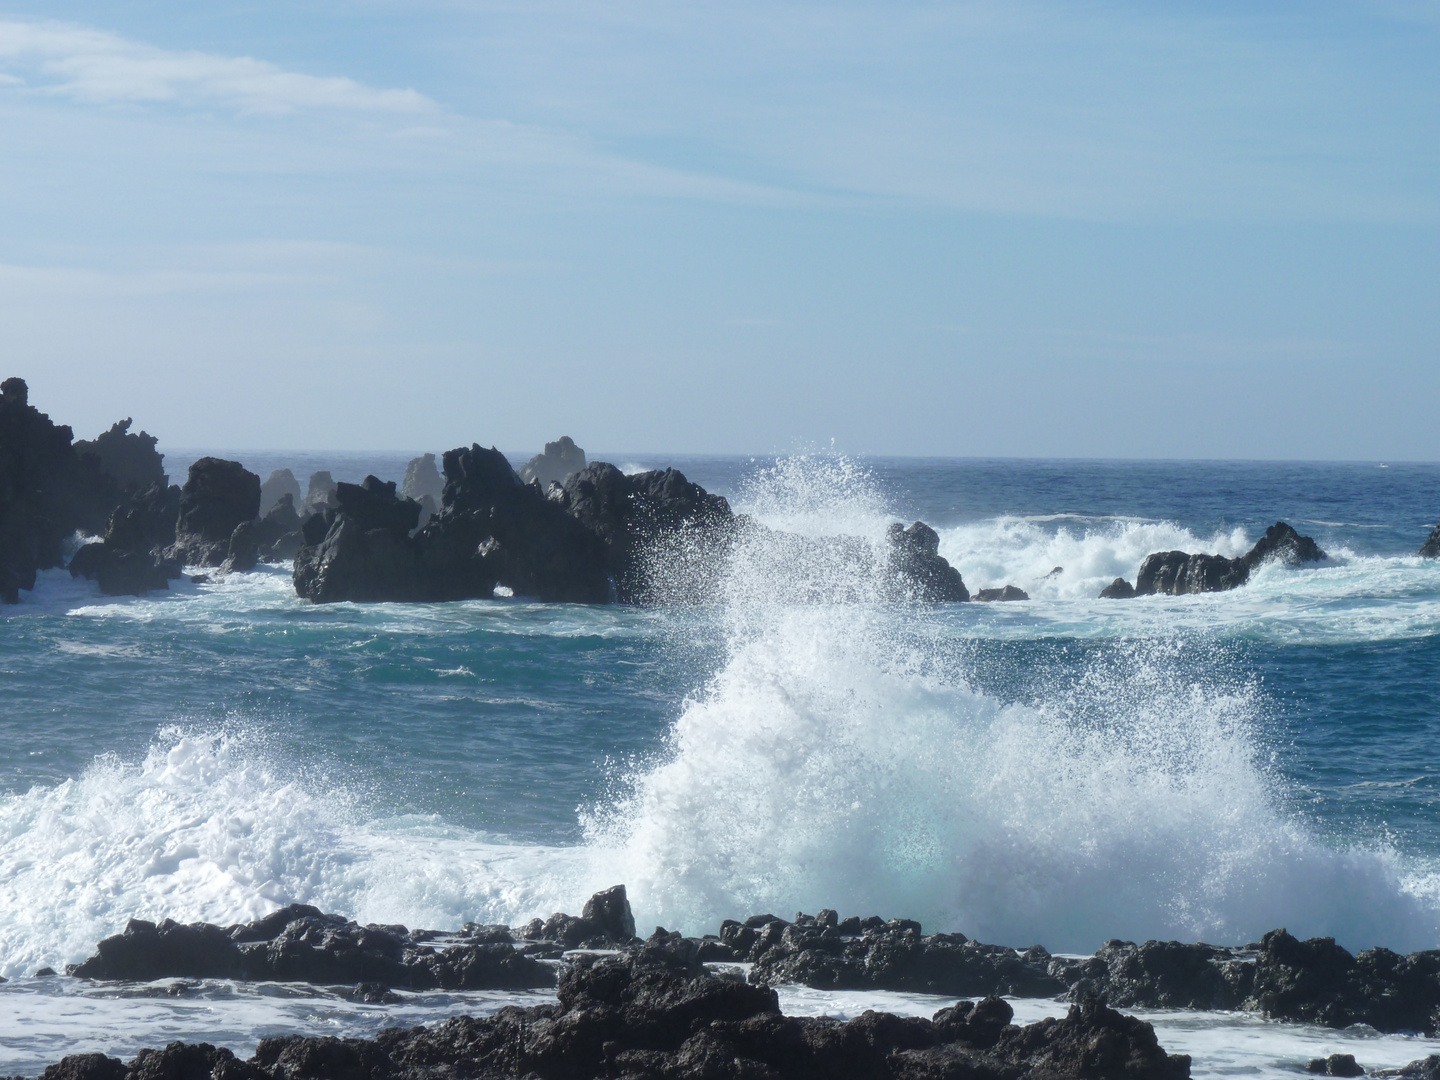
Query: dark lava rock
{"points": [[278, 532], [281, 483], [132, 558], [131, 459], [1009, 592], [492, 530], [1427, 1068], [653, 1011], [1119, 589], [915, 557], [871, 954], [1431, 548], [610, 911], [217, 498], [559, 461], [1176, 573], [639, 517], [301, 944], [1159, 975], [1335, 1065]]}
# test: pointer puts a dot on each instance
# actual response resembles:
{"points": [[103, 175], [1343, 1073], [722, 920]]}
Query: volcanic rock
{"points": [[321, 494], [654, 1011], [1009, 592], [131, 559], [1431, 548], [281, 483], [130, 459], [1335, 1065], [1119, 589], [217, 498], [1176, 573], [872, 954], [278, 532], [559, 460], [47, 491], [648, 516], [915, 558], [422, 478]]}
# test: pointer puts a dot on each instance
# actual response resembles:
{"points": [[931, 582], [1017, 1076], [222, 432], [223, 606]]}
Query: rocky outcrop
{"points": [[654, 1011], [280, 483], [630, 513], [47, 491], [1119, 589], [1009, 592], [320, 496], [872, 954], [424, 485], [132, 558], [218, 497], [130, 459], [1431, 548], [916, 561], [559, 461], [278, 533], [1281, 977], [492, 530], [1176, 573]]}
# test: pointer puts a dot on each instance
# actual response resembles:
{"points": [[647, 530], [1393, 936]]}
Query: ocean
{"points": [[1060, 771]]}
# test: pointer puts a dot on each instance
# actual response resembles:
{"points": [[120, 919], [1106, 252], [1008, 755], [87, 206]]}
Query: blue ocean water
{"points": [[1063, 770]]}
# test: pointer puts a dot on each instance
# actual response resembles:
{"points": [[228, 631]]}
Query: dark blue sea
{"points": [[1061, 770]]}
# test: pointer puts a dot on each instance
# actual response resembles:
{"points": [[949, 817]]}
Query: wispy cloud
{"points": [[96, 66]]}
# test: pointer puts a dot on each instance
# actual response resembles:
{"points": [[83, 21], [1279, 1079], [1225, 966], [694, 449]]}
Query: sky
{"points": [[1018, 228]]}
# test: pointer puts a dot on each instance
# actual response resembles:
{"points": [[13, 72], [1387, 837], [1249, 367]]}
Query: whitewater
{"points": [[1060, 771]]}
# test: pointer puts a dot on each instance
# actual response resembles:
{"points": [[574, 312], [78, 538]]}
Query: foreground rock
{"points": [[1176, 573], [560, 459], [654, 1011], [133, 557]]}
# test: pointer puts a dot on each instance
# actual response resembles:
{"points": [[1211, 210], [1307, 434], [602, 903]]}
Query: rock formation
{"points": [[321, 494], [422, 478], [1176, 573], [1119, 589], [281, 482], [218, 498], [1009, 592], [1431, 548], [559, 460], [133, 558], [131, 459], [650, 1009], [916, 560], [47, 491]]}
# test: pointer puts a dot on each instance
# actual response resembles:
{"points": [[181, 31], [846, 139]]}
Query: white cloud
{"points": [[95, 66]]}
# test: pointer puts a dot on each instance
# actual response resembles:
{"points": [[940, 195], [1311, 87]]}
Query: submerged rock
{"points": [[1176, 573], [654, 1011], [559, 461], [1009, 592]]}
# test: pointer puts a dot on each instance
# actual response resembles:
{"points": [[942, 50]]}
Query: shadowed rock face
{"points": [[1431, 548], [131, 560], [219, 496], [1176, 573], [1009, 592], [915, 558], [130, 458], [47, 491], [560, 459]]}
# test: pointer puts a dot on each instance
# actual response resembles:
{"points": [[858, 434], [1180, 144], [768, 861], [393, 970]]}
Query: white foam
{"points": [[840, 758]]}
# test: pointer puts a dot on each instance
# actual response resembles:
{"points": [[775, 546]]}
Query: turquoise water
{"points": [[1064, 770]]}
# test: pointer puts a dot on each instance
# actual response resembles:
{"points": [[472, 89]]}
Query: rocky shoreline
{"points": [[671, 1005]]}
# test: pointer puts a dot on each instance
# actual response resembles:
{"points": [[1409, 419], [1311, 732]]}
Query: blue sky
{"points": [[1087, 229]]}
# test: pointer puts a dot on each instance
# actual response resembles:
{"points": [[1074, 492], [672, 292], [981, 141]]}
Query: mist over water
{"points": [[842, 757], [1061, 772]]}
